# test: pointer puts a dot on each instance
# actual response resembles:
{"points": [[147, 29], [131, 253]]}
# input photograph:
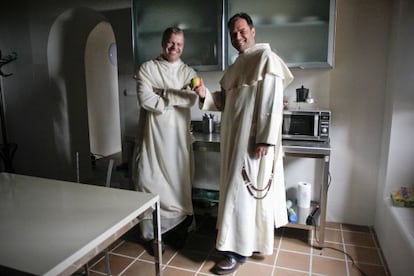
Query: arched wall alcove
{"points": [[76, 103], [102, 91]]}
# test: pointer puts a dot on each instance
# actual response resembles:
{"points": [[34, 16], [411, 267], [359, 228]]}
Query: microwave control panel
{"points": [[325, 118]]}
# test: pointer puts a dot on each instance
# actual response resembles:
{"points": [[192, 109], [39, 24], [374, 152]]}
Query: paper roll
{"points": [[304, 194]]}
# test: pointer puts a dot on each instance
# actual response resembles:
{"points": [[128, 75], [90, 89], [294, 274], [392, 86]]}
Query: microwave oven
{"points": [[306, 125]]}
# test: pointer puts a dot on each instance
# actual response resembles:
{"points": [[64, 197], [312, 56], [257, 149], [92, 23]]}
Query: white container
{"points": [[304, 194]]}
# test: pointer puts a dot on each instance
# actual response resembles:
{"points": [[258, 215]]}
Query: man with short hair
{"points": [[252, 199], [163, 159]]}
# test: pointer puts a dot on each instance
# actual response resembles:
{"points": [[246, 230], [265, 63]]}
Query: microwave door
{"points": [[286, 125], [300, 126], [316, 126]]}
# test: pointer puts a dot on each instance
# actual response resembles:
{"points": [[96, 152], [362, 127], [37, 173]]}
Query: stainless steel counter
{"points": [[211, 142], [206, 142]]}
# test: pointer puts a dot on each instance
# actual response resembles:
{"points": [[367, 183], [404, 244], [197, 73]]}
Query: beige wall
{"points": [[357, 93], [394, 225]]}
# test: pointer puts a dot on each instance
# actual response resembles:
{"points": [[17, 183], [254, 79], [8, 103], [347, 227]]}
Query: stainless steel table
{"points": [[322, 151], [52, 227]]}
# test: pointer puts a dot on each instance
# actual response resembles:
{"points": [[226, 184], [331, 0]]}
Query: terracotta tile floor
{"points": [[292, 254]]}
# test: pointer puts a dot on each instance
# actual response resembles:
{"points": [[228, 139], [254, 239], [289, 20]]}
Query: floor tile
{"points": [[328, 266], [276, 243], [166, 257], [209, 263], [117, 264], [250, 268], [331, 250], [333, 236], [140, 268], [293, 260], [262, 259], [188, 259], [172, 271], [358, 238], [130, 249], [369, 270], [355, 228], [295, 244], [288, 272], [368, 255]]}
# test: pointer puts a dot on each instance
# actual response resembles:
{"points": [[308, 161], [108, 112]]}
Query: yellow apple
{"points": [[196, 82]]}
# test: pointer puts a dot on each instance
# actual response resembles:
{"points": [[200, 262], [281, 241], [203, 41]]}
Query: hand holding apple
{"points": [[196, 82]]}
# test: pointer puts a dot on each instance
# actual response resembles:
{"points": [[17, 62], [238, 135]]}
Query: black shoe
{"points": [[150, 247], [226, 266], [257, 256]]}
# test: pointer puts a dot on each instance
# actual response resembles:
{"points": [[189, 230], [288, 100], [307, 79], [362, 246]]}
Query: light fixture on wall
{"points": [[112, 54]]}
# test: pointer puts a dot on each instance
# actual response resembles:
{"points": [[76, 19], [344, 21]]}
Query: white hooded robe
{"points": [[251, 100], [164, 158]]}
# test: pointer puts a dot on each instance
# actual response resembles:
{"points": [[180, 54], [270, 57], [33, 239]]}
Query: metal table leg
{"points": [[157, 236], [323, 201]]}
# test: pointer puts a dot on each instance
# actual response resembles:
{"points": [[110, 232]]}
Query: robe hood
{"points": [[257, 61]]}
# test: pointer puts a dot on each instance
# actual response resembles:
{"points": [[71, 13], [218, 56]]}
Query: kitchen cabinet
{"points": [[301, 32], [202, 22], [207, 173]]}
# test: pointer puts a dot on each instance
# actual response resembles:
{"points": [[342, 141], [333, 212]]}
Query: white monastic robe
{"points": [[164, 158], [251, 100]]}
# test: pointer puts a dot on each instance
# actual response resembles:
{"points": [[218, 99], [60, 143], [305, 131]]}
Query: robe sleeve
{"points": [[214, 101], [180, 98], [269, 109], [273, 77], [148, 99]]}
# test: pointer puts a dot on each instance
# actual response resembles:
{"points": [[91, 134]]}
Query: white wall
{"points": [[102, 96], [394, 225], [357, 92]]}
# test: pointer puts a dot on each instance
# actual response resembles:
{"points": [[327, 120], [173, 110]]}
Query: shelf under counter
{"points": [[306, 148], [322, 151]]}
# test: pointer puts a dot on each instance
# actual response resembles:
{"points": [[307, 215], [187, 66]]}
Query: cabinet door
{"points": [[202, 24], [301, 32]]}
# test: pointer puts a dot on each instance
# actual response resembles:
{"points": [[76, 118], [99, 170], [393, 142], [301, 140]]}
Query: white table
{"points": [[52, 227]]}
